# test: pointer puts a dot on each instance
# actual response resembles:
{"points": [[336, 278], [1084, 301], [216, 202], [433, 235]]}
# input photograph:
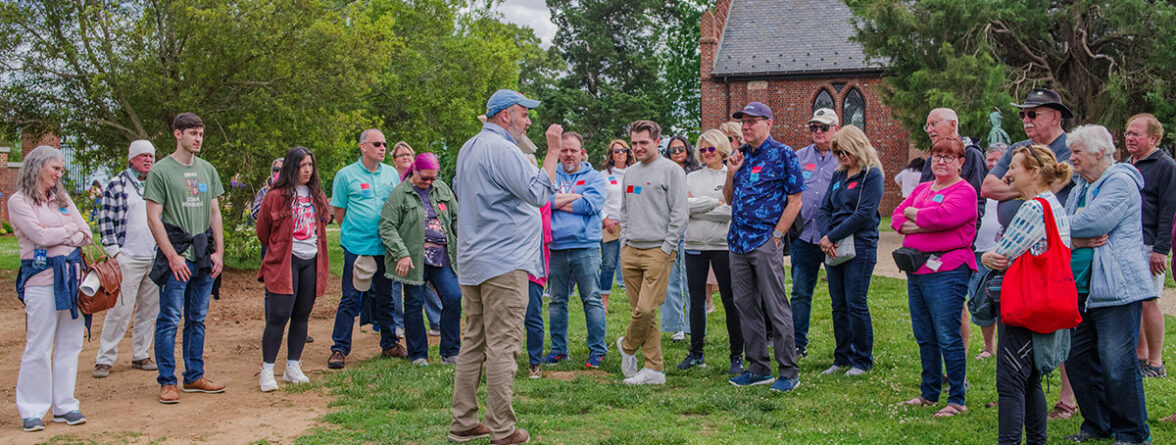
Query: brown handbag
{"points": [[109, 277]]}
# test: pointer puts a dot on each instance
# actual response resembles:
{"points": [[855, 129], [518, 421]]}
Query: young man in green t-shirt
{"points": [[182, 213]]}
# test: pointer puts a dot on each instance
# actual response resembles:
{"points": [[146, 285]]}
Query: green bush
{"points": [[241, 244]]}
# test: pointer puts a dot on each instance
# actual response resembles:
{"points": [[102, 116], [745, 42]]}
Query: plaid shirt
{"points": [[112, 214]]}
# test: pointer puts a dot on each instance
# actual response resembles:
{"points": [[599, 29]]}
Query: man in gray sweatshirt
{"points": [[655, 209]]}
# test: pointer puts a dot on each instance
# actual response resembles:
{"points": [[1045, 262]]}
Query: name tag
{"points": [[612, 180], [580, 182], [938, 198], [757, 169], [636, 190], [63, 210], [754, 177], [851, 185], [810, 166], [807, 174], [365, 190], [934, 263], [203, 187]]}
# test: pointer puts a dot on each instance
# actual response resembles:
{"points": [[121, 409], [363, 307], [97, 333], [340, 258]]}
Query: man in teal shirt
{"points": [[358, 196]]}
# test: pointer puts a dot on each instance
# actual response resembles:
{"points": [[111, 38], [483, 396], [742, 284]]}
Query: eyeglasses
{"points": [[1031, 114], [620, 150], [931, 125], [427, 178], [377, 144], [677, 149], [730, 139], [403, 155], [707, 150], [752, 121], [276, 169], [822, 128], [943, 158], [840, 153]]}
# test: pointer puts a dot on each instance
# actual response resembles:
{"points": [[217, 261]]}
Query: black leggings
{"points": [[280, 308], [1018, 387], [696, 275]]}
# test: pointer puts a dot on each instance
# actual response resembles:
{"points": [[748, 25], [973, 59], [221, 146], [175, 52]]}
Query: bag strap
{"points": [[1052, 237]]}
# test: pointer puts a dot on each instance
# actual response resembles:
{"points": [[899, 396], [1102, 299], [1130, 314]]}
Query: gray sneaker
{"points": [[449, 361], [74, 417], [831, 370], [422, 362], [31, 424], [101, 371]]}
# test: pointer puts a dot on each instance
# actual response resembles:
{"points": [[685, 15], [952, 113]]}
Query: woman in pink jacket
{"points": [[939, 219]]}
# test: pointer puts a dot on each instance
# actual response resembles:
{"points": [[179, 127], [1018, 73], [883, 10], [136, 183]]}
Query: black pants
{"points": [[280, 308], [1018, 386], [697, 268]]}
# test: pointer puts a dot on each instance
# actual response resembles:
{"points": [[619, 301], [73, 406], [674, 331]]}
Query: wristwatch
{"points": [[777, 234]]}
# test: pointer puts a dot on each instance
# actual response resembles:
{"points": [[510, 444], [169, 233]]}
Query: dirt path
{"points": [[889, 241], [125, 407]]}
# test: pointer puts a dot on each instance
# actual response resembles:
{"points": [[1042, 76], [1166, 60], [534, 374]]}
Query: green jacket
{"points": [[402, 228]]}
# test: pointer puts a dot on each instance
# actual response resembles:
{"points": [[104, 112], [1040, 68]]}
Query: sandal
{"points": [[951, 410], [1061, 411], [918, 401], [1169, 419], [983, 355]]}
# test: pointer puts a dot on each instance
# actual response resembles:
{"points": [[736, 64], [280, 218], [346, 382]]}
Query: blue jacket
{"points": [[581, 227], [1119, 274]]}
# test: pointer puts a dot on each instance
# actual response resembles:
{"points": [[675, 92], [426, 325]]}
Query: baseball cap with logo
{"points": [[754, 109], [362, 271], [825, 116]]}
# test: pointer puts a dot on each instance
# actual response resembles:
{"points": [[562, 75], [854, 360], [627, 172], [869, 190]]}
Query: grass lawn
{"points": [[391, 401]]}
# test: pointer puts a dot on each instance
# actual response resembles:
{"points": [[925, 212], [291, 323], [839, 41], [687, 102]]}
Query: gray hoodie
{"points": [[654, 205]]}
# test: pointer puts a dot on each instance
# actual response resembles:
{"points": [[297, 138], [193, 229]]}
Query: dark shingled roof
{"points": [[790, 38]]}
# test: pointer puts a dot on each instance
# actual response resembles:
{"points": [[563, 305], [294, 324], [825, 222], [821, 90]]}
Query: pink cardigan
{"points": [[950, 214], [58, 230]]}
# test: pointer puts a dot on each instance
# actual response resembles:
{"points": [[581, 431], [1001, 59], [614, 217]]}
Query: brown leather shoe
{"points": [[204, 385], [396, 351], [518, 436], [146, 364], [337, 360], [479, 432], [169, 395]]}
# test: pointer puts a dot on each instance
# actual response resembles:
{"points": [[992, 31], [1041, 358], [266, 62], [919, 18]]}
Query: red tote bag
{"points": [[1038, 291]]}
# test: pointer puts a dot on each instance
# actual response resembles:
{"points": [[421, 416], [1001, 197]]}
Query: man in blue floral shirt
{"points": [[763, 185]]}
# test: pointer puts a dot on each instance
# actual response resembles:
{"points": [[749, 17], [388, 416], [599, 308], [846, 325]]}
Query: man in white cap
{"points": [[498, 247], [122, 221]]}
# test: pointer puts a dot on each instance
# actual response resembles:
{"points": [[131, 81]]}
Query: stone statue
{"points": [[997, 134]]}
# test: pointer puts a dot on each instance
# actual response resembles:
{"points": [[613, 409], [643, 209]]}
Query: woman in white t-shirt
{"points": [[617, 159], [908, 178]]}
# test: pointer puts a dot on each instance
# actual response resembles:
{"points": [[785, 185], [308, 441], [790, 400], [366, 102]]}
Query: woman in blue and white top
{"points": [[1033, 172]]}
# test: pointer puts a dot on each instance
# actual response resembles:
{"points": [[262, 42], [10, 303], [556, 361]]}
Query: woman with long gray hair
{"points": [[49, 231]]}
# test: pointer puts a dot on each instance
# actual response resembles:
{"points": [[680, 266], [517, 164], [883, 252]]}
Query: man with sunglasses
{"points": [[1041, 117], [358, 196], [817, 165]]}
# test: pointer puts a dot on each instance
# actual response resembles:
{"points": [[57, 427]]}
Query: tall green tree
{"points": [[1108, 60], [681, 63]]}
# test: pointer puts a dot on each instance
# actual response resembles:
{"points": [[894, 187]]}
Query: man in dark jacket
{"points": [[1143, 133], [941, 123]]}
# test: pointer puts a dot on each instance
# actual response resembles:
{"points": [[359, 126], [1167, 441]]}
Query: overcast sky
{"points": [[530, 13]]}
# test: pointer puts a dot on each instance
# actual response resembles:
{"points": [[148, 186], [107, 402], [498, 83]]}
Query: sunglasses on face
{"points": [[706, 150], [276, 169], [620, 150], [677, 149], [840, 153], [815, 128], [428, 179], [1031, 114], [379, 144], [730, 139]]}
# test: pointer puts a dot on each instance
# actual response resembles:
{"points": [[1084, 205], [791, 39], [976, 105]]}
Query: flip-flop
{"points": [[1062, 411], [984, 355], [951, 410], [918, 401]]}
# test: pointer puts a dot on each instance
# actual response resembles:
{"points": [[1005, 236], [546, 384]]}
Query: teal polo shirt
{"points": [[362, 194]]}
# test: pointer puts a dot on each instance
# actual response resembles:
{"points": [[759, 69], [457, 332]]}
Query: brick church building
{"points": [[796, 57]]}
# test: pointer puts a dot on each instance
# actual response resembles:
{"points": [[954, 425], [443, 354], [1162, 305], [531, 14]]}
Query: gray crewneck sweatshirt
{"points": [[654, 205]]}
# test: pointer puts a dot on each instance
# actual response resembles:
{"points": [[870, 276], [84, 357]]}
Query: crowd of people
{"points": [[718, 214]]}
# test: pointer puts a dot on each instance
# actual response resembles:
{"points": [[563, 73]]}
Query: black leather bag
{"points": [[909, 259]]}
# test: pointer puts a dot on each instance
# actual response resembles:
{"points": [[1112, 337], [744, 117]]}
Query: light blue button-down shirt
{"points": [[499, 229], [817, 170]]}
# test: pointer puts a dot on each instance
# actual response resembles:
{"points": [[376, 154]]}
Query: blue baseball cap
{"points": [[754, 109], [503, 99]]}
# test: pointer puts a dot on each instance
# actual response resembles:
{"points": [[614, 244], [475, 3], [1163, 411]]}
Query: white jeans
{"points": [[50, 333], [140, 296]]}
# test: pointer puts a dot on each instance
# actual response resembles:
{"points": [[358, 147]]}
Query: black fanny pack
{"points": [[909, 259]]}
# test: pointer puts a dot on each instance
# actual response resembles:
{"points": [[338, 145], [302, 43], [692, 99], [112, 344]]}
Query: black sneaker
{"points": [[691, 362], [736, 366], [801, 351]]}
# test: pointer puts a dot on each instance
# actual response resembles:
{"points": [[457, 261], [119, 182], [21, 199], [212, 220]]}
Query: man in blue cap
{"points": [[499, 244]]}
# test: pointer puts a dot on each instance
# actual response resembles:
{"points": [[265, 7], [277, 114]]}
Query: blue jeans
{"points": [[1105, 373], [853, 332], [534, 323], [188, 299], [610, 255], [445, 281], [580, 265], [383, 292], [806, 263], [677, 304], [432, 308], [936, 301]]}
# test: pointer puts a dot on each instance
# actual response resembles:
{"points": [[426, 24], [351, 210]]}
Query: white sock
{"points": [[267, 367]]}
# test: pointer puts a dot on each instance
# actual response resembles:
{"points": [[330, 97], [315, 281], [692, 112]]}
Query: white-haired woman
{"points": [[49, 231], [1113, 280], [706, 247]]}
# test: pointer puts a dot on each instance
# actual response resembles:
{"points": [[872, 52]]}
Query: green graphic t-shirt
{"points": [[185, 192]]}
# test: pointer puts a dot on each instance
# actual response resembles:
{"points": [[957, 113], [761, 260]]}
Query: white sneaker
{"points": [[422, 362], [678, 336], [267, 381], [293, 374], [832, 369], [628, 361], [647, 377], [855, 371]]}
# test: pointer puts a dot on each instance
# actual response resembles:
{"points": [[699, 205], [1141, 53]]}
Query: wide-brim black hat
{"points": [[1041, 97]]}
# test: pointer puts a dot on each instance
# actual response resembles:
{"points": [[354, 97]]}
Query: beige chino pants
{"points": [[646, 273]]}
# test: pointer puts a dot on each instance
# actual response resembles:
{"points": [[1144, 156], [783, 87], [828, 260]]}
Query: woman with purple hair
{"points": [[419, 228]]}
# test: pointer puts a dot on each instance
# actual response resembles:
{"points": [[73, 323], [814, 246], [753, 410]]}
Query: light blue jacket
{"points": [[1120, 273], [579, 228]]}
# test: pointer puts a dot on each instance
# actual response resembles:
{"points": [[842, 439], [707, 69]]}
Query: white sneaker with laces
{"points": [[647, 377], [628, 361], [267, 382], [293, 373], [678, 336]]}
